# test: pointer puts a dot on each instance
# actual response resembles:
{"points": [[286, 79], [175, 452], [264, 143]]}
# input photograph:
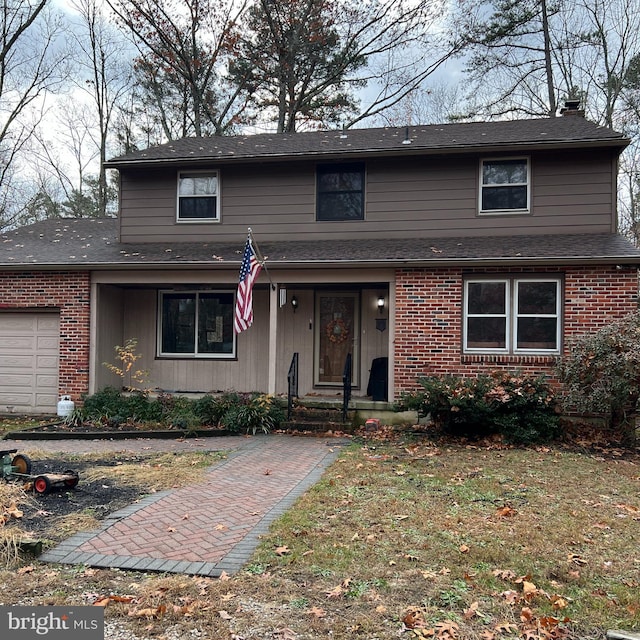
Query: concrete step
{"points": [[316, 419]]}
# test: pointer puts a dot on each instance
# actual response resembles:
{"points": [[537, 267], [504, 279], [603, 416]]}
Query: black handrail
{"points": [[292, 384], [346, 386]]}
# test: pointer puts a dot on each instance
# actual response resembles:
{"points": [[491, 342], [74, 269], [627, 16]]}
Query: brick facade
{"points": [[429, 317], [69, 294]]}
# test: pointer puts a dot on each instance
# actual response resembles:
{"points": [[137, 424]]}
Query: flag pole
{"points": [[261, 259]]}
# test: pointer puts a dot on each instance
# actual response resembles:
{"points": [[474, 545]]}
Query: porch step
{"points": [[316, 419]]}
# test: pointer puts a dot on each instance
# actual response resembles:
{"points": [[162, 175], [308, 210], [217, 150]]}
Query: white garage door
{"points": [[29, 362]]}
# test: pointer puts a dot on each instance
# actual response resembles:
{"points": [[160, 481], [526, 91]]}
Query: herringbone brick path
{"points": [[209, 527]]}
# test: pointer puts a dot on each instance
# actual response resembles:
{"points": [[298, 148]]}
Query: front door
{"points": [[337, 329]]}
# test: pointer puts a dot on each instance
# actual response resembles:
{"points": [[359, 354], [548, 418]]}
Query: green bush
{"points": [[601, 373], [112, 406], [253, 413], [233, 411], [106, 402], [211, 409], [521, 408]]}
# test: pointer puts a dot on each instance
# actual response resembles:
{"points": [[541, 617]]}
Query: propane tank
{"points": [[65, 407]]}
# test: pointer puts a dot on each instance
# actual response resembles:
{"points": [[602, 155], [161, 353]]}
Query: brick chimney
{"points": [[572, 108]]}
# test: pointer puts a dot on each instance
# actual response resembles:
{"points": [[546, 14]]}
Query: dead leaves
{"points": [[11, 512], [103, 601], [186, 606], [532, 626], [413, 620], [506, 512], [148, 613]]}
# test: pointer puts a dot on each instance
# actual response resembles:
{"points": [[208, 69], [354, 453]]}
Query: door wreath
{"points": [[337, 331]]}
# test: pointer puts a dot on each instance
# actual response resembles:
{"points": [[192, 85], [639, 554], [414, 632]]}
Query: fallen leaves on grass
{"points": [[14, 512], [103, 601], [149, 613], [24, 570], [414, 620], [506, 512]]}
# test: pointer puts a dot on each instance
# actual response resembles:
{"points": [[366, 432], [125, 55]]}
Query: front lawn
{"points": [[407, 538]]}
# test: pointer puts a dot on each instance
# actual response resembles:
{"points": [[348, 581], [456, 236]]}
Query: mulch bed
{"points": [[42, 513]]}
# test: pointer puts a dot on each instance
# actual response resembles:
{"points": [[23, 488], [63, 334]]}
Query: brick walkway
{"points": [[207, 528]]}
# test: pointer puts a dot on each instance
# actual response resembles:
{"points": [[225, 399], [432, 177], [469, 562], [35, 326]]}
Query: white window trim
{"points": [[511, 294], [195, 355], [202, 172], [498, 212], [557, 315], [506, 315]]}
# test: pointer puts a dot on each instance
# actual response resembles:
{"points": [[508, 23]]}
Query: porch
{"points": [[182, 322]]}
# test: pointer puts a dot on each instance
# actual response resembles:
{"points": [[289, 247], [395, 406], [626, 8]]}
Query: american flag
{"points": [[249, 271]]}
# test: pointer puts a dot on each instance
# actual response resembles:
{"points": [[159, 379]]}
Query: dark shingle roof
{"points": [[447, 138], [93, 244]]}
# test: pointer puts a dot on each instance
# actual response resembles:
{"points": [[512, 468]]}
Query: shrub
{"points": [[106, 402], [112, 406], [521, 408], [180, 413], [254, 412], [601, 373], [456, 405], [210, 409], [233, 411]]}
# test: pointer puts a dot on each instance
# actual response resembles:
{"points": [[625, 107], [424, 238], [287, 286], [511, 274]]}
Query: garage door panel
{"points": [[44, 401], [17, 362], [16, 379], [48, 324], [18, 323], [46, 381], [47, 362], [17, 399], [16, 343], [29, 358], [49, 343]]}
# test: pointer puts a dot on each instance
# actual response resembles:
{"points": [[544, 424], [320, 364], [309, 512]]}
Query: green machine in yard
{"points": [[18, 467]]}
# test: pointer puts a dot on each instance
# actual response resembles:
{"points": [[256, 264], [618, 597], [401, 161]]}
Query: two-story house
{"points": [[453, 248]]}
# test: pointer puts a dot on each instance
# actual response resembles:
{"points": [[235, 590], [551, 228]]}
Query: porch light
{"points": [[381, 303], [294, 303]]}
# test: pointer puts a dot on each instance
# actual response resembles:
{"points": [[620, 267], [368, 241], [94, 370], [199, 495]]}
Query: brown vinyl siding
{"points": [[571, 192]]}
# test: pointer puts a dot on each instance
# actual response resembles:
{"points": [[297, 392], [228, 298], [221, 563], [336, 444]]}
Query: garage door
{"points": [[29, 362]]}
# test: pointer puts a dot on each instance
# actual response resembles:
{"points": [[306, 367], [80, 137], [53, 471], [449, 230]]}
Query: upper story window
{"points": [[198, 199], [340, 192], [512, 315], [504, 185], [197, 324]]}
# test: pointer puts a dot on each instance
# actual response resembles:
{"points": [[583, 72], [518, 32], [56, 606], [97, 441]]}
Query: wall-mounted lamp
{"points": [[294, 303], [381, 323]]}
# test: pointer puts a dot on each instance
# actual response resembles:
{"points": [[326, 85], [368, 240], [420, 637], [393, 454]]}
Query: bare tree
{"points": [[104, 74], [438, 102], [183, 46], [30, 66]]}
